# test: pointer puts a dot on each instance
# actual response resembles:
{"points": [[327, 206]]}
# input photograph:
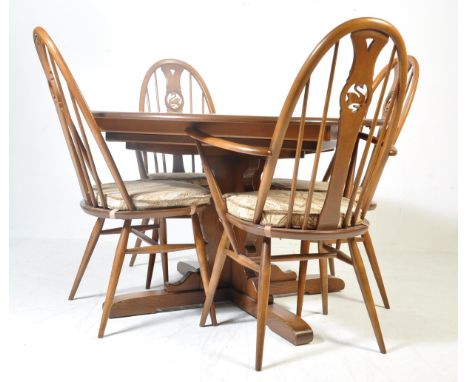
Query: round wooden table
{"points": [[165, 133]]}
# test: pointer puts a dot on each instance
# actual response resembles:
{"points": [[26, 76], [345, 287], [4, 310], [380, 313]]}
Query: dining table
{"points": [[234, 172]]}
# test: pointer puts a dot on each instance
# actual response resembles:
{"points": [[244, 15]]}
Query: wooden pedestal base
{"points": [[188, 293]]}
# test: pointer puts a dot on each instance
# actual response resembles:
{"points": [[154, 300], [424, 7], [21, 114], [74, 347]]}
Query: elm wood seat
{"points": [[118, 200], [353, 96], [280, 183], [172, 86]]}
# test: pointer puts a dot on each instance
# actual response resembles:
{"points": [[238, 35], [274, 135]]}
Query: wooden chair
{"points": [[303, 185], [308, 216], [121, 200], [171, 86]]}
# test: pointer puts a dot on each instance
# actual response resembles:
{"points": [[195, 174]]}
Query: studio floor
{"points": [[56, 340]]}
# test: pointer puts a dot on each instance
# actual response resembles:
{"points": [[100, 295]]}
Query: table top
{"points": [[166, 132], [175, 124]]}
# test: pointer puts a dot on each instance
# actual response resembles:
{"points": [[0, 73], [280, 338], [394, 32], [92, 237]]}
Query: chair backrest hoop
{"points": [[369, 36], [54, 67], [172, 101], [412, 83]]}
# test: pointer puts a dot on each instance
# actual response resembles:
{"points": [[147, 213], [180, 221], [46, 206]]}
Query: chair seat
{"points": [[191, 177], [242, 205], [301, 185], [148, 194]]}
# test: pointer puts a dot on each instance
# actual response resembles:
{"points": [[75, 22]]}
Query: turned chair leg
{"points": [[137, 244], [214, 279], [202, 261], [133, 258], [366, 292], [331, 260], [93, 238], [149, 271], [262, 300], [331, 264], [301, 279], [323, 267], [375, 267], [163, 240], [152, 259], [114, 277]]}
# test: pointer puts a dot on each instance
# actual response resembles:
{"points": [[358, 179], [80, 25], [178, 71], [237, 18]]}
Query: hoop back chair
{"points": [[171, 86], [123, 200], [308, 216]]}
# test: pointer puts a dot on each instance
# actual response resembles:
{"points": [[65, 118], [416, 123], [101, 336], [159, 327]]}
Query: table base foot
{"points": [[280, 320], [154, 301]]}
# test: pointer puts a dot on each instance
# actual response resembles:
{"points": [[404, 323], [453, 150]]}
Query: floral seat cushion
{"points": [[242, 205], [150, 194]]}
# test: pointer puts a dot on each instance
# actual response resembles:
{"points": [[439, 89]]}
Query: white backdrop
{"points": [[248, 53]]}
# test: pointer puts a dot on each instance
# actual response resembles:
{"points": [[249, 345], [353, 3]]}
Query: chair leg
{"points": [[137, 244], [331, 260], [331, 264], [262, 300], [149, 272], [366, 292], [163, 240], [93, 238], [152, 259], [324, 284], [114, 277], [133, 258], [214, 279], [323, 270], [375, 268], [203, 262], [301, 279]]}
